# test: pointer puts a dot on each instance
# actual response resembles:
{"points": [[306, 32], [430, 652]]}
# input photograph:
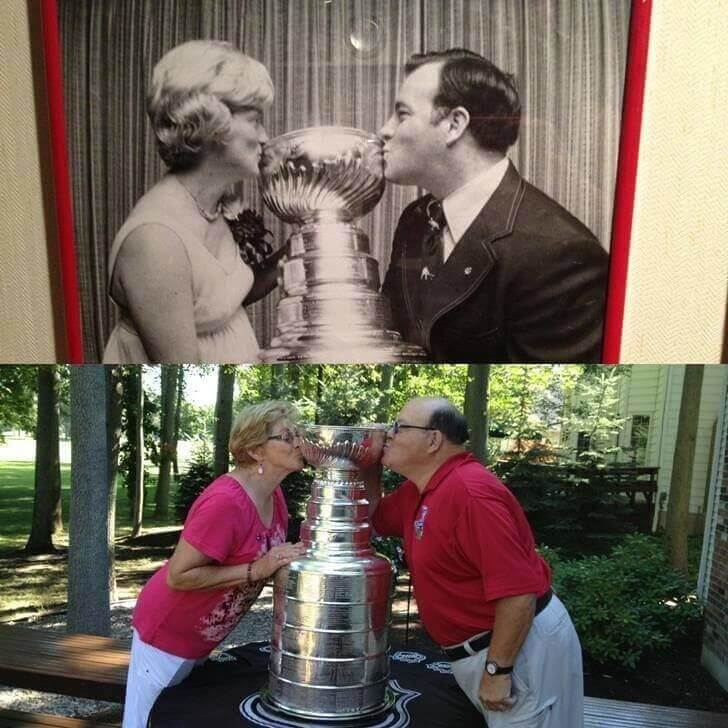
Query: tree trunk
{"points": [[177, 419], [47, 517], [166, 445], [91, 525], [135, 418], [385, 399], [319, 392], [114, 390], [293, 375], [676, 526], [277, 380], [476, 409], [223, 417]]}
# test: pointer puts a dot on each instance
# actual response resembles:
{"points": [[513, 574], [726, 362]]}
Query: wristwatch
{"points": [[493, 668]]}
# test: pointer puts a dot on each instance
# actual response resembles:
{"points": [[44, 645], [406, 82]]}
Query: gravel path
{"points": [[254, 626]]}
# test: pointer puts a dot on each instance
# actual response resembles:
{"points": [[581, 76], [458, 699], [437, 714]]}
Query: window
{"points": [[638, 438]]}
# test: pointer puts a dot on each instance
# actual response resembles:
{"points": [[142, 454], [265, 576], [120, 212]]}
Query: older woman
{"points": [[176, 274], [234, 539]]}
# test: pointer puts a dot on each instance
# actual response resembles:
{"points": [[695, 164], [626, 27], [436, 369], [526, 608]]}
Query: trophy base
{"points": [[334, 346]]}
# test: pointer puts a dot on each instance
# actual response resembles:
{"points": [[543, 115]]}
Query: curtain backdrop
{"points": [[337, 62]]}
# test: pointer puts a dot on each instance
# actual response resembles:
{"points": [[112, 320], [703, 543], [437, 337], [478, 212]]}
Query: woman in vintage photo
{"points": [[175, 271], [233, 541]]}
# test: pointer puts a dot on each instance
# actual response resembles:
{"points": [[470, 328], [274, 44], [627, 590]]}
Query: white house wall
{"points": [[639, 395], [665, 432]]}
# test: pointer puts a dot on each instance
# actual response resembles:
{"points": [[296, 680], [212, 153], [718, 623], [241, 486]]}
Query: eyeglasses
{"points": [[286, 436], [397, 426]]}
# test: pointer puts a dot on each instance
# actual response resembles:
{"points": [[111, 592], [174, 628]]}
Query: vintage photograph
{"points": [[363, 545], [352, 180]]}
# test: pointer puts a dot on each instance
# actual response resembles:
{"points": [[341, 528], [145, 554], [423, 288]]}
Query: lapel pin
{"points": [[425, 275], [468, 271]]}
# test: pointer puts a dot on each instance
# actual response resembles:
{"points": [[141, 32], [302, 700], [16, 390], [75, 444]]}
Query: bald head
{"points": [[440, 414]]}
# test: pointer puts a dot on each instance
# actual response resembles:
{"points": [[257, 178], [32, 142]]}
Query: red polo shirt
{"points": [[467, 544]]}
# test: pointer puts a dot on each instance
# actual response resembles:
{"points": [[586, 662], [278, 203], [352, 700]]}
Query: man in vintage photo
{"points": [[485, 267], [483, 591]]}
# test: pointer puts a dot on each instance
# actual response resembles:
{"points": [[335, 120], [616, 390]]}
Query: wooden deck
{"points": [[84, 666], [600, 713], [16, 719]]}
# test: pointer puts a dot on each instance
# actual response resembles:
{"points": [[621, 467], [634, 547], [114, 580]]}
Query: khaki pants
{"points": [[547, 679]]}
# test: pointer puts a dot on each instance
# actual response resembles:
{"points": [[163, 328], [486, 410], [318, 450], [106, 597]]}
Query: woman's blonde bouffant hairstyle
{"points": [[252, 427], [195, 89]]}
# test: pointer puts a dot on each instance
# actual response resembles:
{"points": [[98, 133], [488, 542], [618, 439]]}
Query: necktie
{"points": [[432, 245]]}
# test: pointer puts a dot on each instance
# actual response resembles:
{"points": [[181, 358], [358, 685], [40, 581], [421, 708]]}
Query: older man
{"points": [[485, 267], [482, 590]]}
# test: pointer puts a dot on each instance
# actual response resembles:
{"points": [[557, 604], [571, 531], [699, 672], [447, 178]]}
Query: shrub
{"points": [[627, 603], [563, 507], [198, 476]]}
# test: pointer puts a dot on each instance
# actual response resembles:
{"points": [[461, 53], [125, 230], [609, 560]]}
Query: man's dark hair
{"points": [[450, 421], [469, 80]]}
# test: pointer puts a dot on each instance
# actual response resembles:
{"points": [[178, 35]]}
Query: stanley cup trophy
{"points": [[332, 608], [321, 179]]}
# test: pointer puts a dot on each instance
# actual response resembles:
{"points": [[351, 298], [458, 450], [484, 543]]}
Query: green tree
{"points": [[167, 445], [476, 409], [18, 387], [47, 519], [593, 411], [223, 417], [91, 521]]}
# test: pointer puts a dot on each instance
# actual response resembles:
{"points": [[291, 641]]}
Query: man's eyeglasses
{"points": [[397, 426], [286, 436]]}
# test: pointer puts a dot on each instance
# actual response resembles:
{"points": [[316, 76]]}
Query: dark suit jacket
{"points": [[526, 283]]}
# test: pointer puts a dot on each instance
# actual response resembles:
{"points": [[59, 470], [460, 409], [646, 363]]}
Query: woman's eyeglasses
{"points": [[286, 436], [397, 426]]}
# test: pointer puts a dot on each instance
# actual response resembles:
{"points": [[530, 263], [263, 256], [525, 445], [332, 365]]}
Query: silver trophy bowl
{"points": [[322, 179], [321, 171], [332, 608], [342, 447]]}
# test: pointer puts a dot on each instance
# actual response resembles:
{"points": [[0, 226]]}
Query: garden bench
{"points": [[81, 665], [16, 719]]}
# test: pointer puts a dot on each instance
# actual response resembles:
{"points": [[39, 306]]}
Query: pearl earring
{"points": [[260, 468]]}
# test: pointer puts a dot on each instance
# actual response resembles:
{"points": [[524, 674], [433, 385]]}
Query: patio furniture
{"points": [[16, 719], [81, 665]]}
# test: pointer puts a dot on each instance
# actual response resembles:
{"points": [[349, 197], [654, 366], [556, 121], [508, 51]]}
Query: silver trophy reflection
{"points": [[332, 608], [321, 180]]}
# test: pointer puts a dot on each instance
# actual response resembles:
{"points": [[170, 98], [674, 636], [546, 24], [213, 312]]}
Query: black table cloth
{"points": [[224, 692]]}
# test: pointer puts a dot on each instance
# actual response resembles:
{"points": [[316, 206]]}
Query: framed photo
{"points": [[578, 68]]}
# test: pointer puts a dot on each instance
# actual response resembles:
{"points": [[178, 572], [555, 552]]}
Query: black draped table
{"points": [[224, 692]]}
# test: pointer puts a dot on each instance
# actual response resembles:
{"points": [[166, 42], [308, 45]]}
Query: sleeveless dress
{"points": [[219, 285]]}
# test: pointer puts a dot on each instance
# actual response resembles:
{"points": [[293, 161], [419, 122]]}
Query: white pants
{"points": [[547, 679], [150, 671]]}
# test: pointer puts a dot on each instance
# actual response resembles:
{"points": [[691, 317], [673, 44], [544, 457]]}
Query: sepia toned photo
{"points": [[354, 180]]}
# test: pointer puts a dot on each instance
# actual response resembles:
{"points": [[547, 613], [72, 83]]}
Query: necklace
{"points": [[209, 216]]}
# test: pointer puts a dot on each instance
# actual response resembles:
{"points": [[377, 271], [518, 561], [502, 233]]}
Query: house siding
{"points": [[715, 635], [663, 436]]}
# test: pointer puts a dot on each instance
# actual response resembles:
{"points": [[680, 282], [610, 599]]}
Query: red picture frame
{"points": [[623, 203]]}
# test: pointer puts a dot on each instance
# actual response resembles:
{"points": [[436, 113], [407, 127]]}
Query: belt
{"points": [[476, 644]]}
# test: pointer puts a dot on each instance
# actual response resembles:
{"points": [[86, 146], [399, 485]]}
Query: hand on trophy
{"points": [[276, 557]]}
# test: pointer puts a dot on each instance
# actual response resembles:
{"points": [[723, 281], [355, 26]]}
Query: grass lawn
{"points": [[36, 584]]}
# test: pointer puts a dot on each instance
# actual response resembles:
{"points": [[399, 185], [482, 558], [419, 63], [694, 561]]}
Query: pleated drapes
{"points": [[337, 62]]}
